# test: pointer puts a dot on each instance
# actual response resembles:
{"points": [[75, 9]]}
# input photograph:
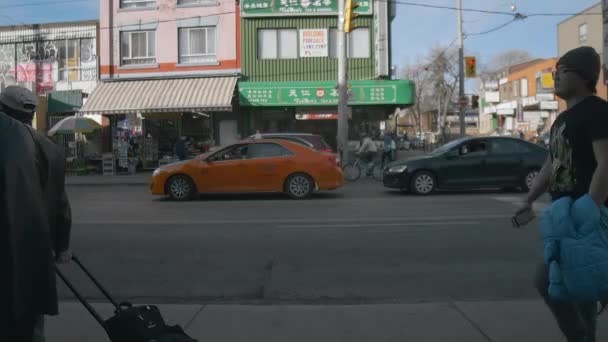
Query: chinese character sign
{"points": [[314, 43], [324, 93], [297, 7]]}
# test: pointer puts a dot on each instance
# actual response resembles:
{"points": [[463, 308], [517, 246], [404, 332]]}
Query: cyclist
{"points": [[367, 151]]}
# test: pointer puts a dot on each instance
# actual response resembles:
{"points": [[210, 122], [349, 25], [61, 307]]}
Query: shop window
{"points": [[197, 45], [358, 43], [277, 44], [137, 3], [582, 33], [138, 47]]}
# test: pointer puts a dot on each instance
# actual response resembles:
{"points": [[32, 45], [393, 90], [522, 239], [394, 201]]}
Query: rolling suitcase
{"points": [[129, 323]]}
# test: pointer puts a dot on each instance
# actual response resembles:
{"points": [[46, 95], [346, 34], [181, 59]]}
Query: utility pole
{"points": [[463, 130], [342, 88]]}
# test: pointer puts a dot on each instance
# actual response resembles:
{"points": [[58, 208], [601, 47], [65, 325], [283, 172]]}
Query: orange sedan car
{"points": [[251, 166]]}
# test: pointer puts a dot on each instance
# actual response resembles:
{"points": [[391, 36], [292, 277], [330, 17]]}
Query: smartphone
{"points": [[523, 218]]}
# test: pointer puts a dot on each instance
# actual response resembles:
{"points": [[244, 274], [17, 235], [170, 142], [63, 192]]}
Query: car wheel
{"points": [[180, 188], [528, 180], [423, 183], [299, 186]]}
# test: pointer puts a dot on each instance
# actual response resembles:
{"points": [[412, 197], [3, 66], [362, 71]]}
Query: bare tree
{"points": [[419, 74], [445, 76], [436, 79], [509, 58], [503, 61]]}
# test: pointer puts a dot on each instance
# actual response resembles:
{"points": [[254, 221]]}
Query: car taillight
{"points": [[328, 150], [334, 159]]}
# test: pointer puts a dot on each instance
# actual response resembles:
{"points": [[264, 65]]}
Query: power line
{"points": [[453, 8], [516, 16], [34, 4], [399, 2], [494, 29]]}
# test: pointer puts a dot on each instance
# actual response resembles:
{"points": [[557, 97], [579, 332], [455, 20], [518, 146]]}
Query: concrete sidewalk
{"points": [[522, 321]]}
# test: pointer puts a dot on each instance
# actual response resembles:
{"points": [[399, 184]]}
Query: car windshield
{"points": [[445, 148]]}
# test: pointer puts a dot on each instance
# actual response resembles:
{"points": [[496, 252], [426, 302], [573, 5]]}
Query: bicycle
{"points": [[354, 169]]}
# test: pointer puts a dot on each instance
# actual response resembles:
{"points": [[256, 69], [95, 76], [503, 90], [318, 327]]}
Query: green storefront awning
{"points": [[324, 93], [66, 101]]}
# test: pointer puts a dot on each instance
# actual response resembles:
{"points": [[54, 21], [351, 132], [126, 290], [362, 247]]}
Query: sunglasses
{"points": [[565, 71]]}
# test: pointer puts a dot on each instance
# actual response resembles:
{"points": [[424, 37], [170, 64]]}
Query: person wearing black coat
{"points": [[35, 219]]}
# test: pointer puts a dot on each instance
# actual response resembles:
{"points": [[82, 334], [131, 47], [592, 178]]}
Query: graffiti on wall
{"points": [[44, 63], [88, 59], [7, 65]]}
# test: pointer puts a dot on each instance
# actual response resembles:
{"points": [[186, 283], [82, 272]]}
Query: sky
{"points": [[416, 30], [436, 27]]}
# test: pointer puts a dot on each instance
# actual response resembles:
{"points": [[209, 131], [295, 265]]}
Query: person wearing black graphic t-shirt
{"points": [[577, 165]]}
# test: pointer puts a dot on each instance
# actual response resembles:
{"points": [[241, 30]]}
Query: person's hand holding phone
{"points": [[523, 215]]}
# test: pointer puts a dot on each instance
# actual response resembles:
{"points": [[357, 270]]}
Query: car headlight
{"points": [[156, 173], [397, 169]]}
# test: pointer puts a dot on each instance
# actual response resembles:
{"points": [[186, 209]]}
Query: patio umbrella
{"points": [[74, 124]]}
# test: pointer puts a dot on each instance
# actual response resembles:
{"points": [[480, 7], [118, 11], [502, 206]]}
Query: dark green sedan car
{"points": [[469, 163]]}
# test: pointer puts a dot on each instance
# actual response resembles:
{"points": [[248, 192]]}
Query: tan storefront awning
{"points": [[158, 96]]}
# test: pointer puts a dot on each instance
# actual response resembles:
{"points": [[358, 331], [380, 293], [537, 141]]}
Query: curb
{"points": [[108, 184]]}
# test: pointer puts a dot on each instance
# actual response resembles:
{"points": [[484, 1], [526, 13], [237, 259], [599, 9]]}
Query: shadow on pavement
{"points": [[456, 192]]}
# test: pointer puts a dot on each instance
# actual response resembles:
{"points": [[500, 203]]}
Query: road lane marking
{"points": [[354, 225], [302, 221]]}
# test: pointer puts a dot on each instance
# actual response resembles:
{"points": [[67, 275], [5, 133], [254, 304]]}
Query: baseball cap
{"points": [[19, 99]]}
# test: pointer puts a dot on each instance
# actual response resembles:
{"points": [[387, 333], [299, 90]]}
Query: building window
{"points": [[516, 89], [524, 87], [582, 34], [68, 56], [137, 47], [277, 44], [196, 2], [197, 45], [137, 3], [358, 44]]}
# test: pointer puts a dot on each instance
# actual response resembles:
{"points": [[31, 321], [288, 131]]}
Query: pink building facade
{"points": [[168, 70], [156, 38]]}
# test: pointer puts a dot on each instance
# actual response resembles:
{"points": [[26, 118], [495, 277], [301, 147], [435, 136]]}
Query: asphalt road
{"points": [[360, 244]]}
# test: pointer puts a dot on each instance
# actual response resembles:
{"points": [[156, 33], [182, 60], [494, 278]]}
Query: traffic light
{"points": [[350, 15], [475, 101], [470, 67]]}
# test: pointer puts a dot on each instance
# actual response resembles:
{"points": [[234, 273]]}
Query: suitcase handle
{"points": [[95, 281], [82, 300]]}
